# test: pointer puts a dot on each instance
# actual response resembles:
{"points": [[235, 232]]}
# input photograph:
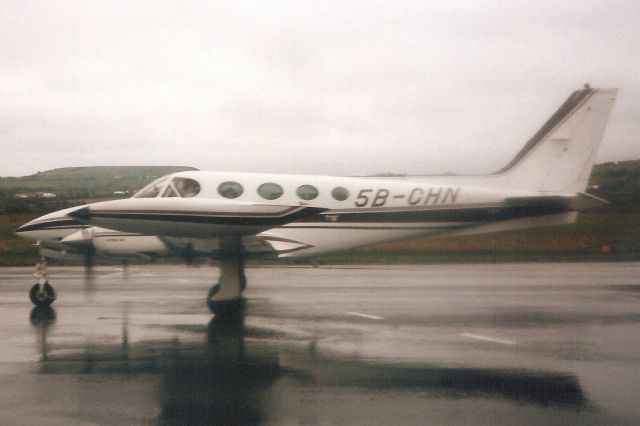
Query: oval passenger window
{"points": [[270, 191], [340, 193], [230, 189], [307, 192]]}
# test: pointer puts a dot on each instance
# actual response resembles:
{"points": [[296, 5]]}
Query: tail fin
{"points": [[560, 156]]}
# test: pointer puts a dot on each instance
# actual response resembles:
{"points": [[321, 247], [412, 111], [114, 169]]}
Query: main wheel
{"points": [[231, 309], [42, 297]]}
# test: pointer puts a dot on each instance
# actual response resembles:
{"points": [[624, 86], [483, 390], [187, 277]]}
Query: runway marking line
{"points": [[282, 299], [358, 314], [488, 339]]}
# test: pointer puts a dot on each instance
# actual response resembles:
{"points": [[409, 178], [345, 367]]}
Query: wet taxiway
{"points": [[447, 344]]}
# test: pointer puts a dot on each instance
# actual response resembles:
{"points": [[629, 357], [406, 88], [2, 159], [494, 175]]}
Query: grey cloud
{"points": [[365, 86]]}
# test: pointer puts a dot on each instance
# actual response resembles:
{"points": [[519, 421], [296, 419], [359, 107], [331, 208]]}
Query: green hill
{"points": [[618, 183], [109, 171], [83, 182]]}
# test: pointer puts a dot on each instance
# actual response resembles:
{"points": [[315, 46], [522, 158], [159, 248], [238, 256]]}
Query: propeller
{"points": [[82, 241]]}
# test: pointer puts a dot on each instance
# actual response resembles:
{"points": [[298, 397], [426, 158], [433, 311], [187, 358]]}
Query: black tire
{"points": [[228, 311], [231, 310], [243, 282], [43, 298], [212, 292]]}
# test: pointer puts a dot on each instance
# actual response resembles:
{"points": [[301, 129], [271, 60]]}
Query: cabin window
{"points": [[340, 193], [230, 189], [186, 187], [152, 190], [270, 191], [307, 192]]}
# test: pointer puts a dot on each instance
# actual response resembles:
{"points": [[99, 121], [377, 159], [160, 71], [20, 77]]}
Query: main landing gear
{"points": [[42, 293], [225, 298]]}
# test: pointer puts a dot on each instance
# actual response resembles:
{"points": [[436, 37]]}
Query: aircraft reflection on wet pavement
{"points": [[227, 376]]}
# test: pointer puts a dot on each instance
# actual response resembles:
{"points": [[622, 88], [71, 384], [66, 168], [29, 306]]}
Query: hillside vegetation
{"points": [[618, 183], [72, 185]]}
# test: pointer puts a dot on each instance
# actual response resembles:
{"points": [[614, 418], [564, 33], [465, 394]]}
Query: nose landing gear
{"points": [[42, 293]]}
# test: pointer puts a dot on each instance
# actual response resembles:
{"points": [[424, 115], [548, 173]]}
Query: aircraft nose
{"points": [[51, 226], [24, 228], [26, 231]]}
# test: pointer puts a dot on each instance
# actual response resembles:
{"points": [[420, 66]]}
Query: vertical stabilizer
{"points": [[560, 156]]}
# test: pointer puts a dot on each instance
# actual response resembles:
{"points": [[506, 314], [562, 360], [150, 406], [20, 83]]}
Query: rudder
{"points": [[560, 156]]}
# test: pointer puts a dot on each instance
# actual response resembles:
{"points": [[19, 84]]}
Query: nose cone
{"points": [[22, 229], [28, 227], [50, 227], [28, 231]]}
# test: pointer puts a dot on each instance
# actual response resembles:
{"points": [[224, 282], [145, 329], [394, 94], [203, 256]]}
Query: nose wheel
{"points": [[42, 293]]}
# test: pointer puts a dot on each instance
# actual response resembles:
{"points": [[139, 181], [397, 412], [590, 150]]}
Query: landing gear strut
{"points": [[42, 293], [225, 298]]}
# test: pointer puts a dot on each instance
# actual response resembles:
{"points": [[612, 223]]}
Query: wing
{"points": [[195, 227], [262, 246]]}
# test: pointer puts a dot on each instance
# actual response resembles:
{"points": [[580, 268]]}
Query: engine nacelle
{"points": [[119, 245]]}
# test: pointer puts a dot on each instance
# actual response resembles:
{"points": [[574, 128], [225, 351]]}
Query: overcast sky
{"points": [[327, 87]]}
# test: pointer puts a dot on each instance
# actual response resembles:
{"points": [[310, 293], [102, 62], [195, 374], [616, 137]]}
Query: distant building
{"points": [[45, 195]]}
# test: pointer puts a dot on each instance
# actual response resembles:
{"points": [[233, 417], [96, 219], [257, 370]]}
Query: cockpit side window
{"points": [[152, 190], [177, 187], [186, 187], [169, 192]]}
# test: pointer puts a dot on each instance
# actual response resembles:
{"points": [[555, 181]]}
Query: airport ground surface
{"points": [[440, 344]]}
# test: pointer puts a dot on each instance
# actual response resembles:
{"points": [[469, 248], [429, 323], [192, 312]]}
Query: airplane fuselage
{"points": [[298, 215]]}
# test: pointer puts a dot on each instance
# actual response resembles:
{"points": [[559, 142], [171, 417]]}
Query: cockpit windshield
{"points": [[176, 187], [152, 190]]}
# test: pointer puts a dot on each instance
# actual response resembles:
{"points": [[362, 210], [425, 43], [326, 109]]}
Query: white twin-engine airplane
{"points": [[232, 217]]}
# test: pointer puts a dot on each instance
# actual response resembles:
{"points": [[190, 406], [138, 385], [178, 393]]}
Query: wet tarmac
{"points": [[447, 344]]}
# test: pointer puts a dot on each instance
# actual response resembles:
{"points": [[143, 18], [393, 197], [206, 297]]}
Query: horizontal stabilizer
{"points": [[577, 202]]}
